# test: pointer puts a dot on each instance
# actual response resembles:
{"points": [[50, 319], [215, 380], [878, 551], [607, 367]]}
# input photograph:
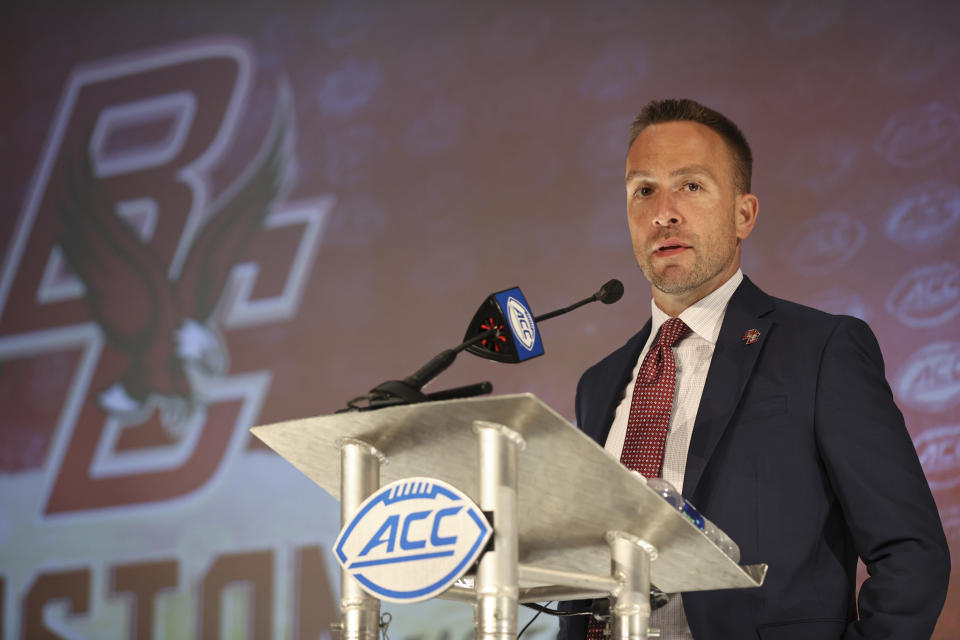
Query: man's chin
{"points": [[674, 288], [673, 281]]}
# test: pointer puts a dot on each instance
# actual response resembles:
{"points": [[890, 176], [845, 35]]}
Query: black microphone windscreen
{"points": [[610, 292]]}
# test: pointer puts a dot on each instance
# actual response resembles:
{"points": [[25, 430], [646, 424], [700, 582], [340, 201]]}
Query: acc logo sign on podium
{"points": [[412, 539]]}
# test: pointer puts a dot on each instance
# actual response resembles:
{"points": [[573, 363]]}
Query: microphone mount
{"points": [[409, 389], [609, 293]]}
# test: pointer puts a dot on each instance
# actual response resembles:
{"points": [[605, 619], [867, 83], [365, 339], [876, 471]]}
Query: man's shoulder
{"points": [[802, 314], [801, 317]]}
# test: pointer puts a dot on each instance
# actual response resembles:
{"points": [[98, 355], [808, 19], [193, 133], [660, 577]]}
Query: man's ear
{"points": [[748, 208]]}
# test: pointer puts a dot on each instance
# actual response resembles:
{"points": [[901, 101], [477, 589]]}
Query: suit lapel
{"points": [[733, 361], [621, 368]]}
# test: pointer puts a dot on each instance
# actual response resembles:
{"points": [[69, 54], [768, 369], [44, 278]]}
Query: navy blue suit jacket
{"points": [[800, 454]]}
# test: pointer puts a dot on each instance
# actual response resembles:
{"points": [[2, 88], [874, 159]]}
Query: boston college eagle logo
{"points": [[161, 323], [145, 284]]}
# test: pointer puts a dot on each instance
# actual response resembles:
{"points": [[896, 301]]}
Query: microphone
{"points": [[609, 293], [503, 329], [491, 316]]}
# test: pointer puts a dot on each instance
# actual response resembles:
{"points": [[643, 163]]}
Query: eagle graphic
{"points": [[163, 324]]}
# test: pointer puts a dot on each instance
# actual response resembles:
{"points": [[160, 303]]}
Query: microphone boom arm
{"points": [[408, 390]]}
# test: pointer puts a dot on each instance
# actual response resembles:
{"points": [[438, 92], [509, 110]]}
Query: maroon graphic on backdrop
{"points": [[122, 258], [159, 323]]}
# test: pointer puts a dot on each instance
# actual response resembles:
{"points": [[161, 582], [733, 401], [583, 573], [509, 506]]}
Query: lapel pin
{"points": [[751, 336]]}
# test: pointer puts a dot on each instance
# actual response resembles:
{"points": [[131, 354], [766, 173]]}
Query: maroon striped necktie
{"points": [[649, 417]]}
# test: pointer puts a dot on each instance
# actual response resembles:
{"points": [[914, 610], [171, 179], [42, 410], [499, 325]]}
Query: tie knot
{"points": [[672, 331]]}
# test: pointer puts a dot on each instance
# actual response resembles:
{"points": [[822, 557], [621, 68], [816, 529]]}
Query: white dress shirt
{"points": [[692, 354]]}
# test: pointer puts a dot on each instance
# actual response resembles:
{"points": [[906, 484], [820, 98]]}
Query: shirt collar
{"points": [[704, 316]]}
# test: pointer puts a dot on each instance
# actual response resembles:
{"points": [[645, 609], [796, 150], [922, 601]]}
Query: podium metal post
{"points": [[497, 580], [630, 605], [359, 478]]}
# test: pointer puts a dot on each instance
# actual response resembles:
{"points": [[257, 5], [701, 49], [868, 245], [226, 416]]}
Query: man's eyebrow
{"points": [[693, 168], [686, 170]]}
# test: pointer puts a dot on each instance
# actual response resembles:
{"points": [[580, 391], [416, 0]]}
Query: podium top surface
{"points": [[570, 490]]}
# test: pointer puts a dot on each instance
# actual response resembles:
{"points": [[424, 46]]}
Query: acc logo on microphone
{"points": [[939, 455], [521, 320], [522, 325], [412, 539], [926, 296]]}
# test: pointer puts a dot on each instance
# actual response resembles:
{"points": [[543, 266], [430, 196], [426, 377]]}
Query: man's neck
{"points": [[675, 304]]}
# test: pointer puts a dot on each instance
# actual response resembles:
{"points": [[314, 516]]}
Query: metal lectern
{"points": [[570, 521]]}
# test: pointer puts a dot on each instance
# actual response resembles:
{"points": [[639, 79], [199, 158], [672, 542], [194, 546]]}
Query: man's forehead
{"points": [[678, 147], [679, 136]]}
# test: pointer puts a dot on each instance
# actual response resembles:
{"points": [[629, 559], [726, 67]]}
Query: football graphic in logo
{"points": [[412, 539]]}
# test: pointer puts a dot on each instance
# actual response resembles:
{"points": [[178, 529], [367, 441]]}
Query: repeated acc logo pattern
{"points": [[940, 457], [930, 378], [926, 296], [927, 216], [826, 242]]}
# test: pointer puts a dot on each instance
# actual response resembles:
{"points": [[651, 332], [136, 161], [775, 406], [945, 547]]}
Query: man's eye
{"points": [[644, 191], [692, 186]]}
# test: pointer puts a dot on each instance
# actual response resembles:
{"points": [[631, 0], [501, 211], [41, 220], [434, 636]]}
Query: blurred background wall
{"points": [[288, 205]]}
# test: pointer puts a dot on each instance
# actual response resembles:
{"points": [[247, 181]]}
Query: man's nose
{"points": [[665, 213]]}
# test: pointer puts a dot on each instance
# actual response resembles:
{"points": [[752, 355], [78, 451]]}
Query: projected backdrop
{"points": [[216, 218]]}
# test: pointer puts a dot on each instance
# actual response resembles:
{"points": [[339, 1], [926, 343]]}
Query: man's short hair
{"points": [[677, 110]]}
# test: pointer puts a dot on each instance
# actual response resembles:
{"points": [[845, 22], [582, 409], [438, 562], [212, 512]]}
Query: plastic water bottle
{"points": [[669, 493], [673, 497], [722, 540], [666, 491]]}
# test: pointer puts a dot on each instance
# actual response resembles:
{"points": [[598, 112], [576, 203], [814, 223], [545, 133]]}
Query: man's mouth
{"points": [[670, 248]]}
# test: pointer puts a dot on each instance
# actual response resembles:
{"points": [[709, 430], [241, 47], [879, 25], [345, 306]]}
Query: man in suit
{"points": [[781, 427]]}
